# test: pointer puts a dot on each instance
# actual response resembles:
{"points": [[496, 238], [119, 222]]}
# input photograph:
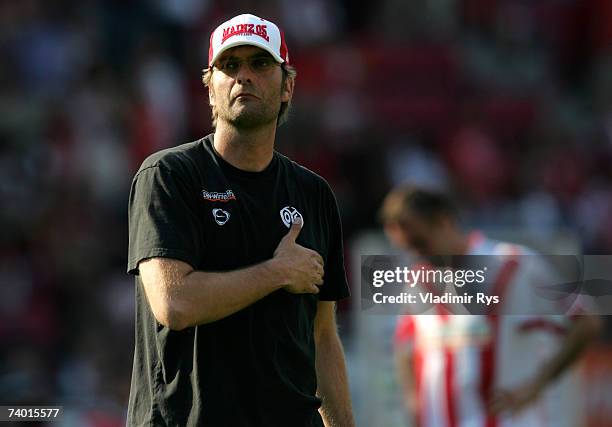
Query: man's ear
{"points": [[394, 231], [445, 221], [287, 89]]}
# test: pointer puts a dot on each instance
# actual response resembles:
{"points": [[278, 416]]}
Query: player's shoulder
{"points": [[531, 263], [305, 176], [179, 158], [503, 248], [489, 246]]}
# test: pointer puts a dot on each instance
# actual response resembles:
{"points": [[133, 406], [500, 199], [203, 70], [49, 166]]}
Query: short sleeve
{"points": [[335, 285], [163, 219]]}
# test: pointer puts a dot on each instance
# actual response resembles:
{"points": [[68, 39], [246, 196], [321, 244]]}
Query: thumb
{"points": [[295, 229]]}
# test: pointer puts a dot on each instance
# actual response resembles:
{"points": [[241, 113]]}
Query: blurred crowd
{"points": [[506, 103]]}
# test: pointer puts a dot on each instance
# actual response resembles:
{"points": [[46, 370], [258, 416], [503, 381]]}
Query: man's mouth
{"points": [[245, 96]]}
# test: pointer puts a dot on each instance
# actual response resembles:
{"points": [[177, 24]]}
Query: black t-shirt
{"points": [[255, 367]]}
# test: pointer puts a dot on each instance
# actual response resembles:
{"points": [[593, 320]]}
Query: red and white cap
{"points": [[251, 30]]}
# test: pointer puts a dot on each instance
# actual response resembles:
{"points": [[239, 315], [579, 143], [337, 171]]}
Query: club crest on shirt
{"points": [[288, 214], [215, 196], [220, 216]]}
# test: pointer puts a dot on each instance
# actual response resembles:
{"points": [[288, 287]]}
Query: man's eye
{"points": [[260, 63], [231, 65]]}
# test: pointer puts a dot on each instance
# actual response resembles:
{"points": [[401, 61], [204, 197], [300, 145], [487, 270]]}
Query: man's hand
{"points": [[514, 401], [302, 268], [582, 330], [332, 381]]}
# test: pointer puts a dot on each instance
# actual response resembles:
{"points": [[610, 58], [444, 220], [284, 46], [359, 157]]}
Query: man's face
{"points": [[245, 91], [426, 238]]}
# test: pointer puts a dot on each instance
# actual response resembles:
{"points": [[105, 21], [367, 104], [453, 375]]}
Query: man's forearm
{"points": [[181, 297], [210, 296], [193, 297], [582, 332], [515, 400], [332, 381]]}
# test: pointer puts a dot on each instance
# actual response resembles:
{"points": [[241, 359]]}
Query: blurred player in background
{"points": [[481, 370], [237, 253]]}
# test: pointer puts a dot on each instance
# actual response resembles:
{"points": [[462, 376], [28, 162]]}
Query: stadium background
{"points": [[506, 103]]}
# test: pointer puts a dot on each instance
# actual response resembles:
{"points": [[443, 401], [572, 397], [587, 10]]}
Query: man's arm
{"points": [[332, 380], [582, 331], [180, 296]]}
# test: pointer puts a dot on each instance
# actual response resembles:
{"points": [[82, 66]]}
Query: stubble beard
{"points": [[249, 117]]}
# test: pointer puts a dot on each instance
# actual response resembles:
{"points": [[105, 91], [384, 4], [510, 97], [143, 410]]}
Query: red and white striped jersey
{"points": [[459, 360]]}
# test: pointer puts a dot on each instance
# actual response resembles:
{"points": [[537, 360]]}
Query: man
{"points": [[480, 370], [237, 253]]}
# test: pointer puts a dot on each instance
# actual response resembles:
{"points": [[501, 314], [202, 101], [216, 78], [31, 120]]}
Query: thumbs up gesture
{"points": [[301, 268]]}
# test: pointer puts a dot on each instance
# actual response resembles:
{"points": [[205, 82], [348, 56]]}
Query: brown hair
{"points": [[427, 204]]}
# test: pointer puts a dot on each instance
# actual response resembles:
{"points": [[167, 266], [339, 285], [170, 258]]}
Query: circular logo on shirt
{"points": [[220, 216], [288, 214]]}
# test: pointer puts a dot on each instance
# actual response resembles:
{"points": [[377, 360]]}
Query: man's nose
{"points": [[244, 74]]}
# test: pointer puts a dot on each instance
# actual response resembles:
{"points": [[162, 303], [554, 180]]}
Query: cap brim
{"points": [[255, 43]]}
